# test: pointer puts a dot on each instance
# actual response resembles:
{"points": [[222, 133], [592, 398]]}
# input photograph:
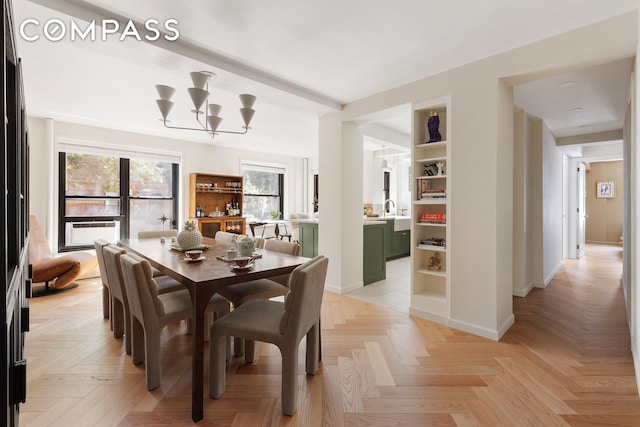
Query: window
{"points": [[263, 192], [110, 197]]}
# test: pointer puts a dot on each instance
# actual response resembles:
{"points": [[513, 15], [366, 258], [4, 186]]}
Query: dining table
{"points": [[203, 278]]}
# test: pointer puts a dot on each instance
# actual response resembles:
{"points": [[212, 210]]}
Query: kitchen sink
{"points": [[402, 223]]}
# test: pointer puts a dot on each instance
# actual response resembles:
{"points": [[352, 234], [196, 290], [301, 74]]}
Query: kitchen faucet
{"points": [[384, 206]]}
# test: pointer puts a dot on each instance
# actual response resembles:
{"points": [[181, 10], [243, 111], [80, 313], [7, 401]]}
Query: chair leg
{"points": [[137, 341], [289, 379], [238, 346], [217, 365], [118, 318], [250, 351], [152, 360], [127, 331], [106, 302], [313, 348]]}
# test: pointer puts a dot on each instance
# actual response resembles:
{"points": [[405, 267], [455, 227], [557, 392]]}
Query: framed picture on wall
{"points": [[605, 190]]}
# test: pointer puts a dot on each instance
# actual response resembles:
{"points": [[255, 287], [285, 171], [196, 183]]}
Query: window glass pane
{"points": [[260, 207], [257, 182], [90, 175], [145, 216], [262, 199], [148, 178], [92, 207]]}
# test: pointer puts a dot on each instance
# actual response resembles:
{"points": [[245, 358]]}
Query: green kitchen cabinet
{"points": [[374, 260], [308, 238], [388, 238], [401, 243]]}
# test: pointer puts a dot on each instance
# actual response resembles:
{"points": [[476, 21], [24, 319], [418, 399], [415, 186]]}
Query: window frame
{"points": [[123, 197], [281, 171]]}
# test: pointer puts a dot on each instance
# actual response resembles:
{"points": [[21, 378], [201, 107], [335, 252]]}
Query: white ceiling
{"points": [[302, 59]]}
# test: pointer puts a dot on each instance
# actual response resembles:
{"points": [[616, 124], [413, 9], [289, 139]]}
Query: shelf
{"points": [[432, 248], [431, 160], [219, 190], [431, 177], [432, 295], [432, 144], [432, 273], [430, 202]]}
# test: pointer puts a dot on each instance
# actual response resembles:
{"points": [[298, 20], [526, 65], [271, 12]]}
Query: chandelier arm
{"points": [[246, 129], [184, 128], [204, 125]]}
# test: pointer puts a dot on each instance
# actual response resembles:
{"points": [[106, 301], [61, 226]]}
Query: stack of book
{"points": [[434, 194], [433, 218]]}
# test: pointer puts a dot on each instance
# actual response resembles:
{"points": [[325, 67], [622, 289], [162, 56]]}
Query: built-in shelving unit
{"points": [[431, 227]]}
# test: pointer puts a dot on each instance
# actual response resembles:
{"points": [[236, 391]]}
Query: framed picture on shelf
{"points": [[605, 190]]}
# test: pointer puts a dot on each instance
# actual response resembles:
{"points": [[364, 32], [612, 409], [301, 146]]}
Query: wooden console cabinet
{"points": [[210, 194]]}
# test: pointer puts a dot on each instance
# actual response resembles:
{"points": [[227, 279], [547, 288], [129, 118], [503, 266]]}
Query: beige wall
{"points": [[604, 221]]}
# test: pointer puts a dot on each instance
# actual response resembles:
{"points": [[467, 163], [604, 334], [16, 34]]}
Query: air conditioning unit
{"points": [[84, 233]]}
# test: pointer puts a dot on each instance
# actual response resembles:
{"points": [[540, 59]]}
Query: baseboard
{"points": [[481, 331], [343, 289], [502, 329], [553, 273], [636, 362], [429, 316], [523, 292]]}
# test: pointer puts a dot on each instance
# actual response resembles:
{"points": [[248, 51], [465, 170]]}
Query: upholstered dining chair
{"points": [[120, 319], [261, 288], [106, 292], [281, 323], [223, 236], [151, 312], [155, 234], [120, 314]]}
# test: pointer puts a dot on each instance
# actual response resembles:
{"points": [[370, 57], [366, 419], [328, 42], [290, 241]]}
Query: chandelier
{"points": [[209, 120]]}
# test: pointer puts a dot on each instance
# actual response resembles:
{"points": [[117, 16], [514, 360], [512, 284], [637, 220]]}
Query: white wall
{"points": [[340, 227], [195, 158], [632, 213], [552, 180]]}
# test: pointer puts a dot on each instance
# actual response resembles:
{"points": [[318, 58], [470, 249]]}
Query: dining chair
{"points": [[106, 292], [223, 236], [120, 314], [281, 323], [273, 287], [120, 317], [152, 311], [154, 234]]}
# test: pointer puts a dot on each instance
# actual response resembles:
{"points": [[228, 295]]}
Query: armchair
{"points": [[58, 273]]}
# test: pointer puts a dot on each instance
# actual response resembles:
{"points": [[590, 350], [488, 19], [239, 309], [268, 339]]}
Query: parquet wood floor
{"points": [[566, 361]]}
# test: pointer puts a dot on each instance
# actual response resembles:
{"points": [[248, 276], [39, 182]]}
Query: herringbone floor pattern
{"points": [[566, 361]]}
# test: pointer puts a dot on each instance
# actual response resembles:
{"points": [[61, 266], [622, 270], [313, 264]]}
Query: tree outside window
{"points": [[263, 195]]}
